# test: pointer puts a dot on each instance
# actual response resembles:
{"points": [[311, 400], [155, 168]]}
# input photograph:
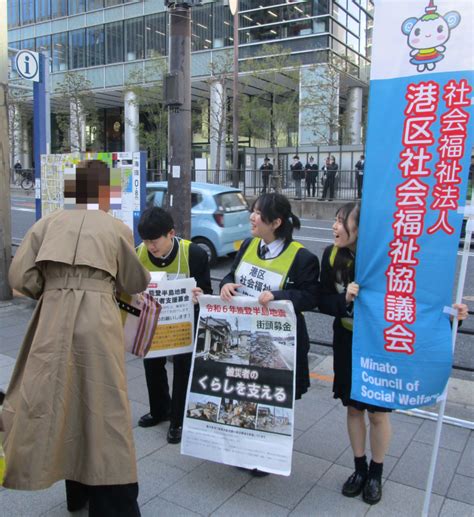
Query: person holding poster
{"points": [[162, 251], [288, 271], [338, 292]]}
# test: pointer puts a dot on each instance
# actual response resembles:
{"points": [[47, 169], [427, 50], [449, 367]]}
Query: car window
{"points": [[155, 198], [231, 202], [195, 199]]}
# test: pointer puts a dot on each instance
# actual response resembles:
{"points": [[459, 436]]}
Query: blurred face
{"points": [[162, 246], [342, 238], [261, 229]]}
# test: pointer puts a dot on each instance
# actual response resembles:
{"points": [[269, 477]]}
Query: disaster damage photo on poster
{"points": [[243, 368]]}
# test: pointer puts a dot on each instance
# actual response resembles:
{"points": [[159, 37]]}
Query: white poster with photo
{"points": [[240, 400], [175, 331]]}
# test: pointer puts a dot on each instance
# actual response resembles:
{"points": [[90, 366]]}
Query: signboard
{"points": [[175, 331], [240, 400], [27, 65], [415, 182]]}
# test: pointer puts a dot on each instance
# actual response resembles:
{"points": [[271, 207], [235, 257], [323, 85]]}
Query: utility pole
{"points": [[5, 207], [234, 9], [178, 100]]}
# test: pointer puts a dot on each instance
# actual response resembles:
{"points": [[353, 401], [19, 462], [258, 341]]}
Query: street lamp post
{"points": [[234, 9]]}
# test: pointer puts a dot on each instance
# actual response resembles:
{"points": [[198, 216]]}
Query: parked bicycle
{"points": [[28, 180]]}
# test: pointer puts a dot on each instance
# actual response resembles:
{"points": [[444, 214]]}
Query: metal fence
{"points": [[251, 182]]}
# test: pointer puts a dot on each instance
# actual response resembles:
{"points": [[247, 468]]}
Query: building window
{"points": [[95, 46], [59, 45], [77, 6], [223, 26], [114, 42], [201, 27], [43, 10], [134, 39], [13, 13], [92, 5], [110, 3], [43, 44], [58, 8], [155, 34], [27, 11], [77, 49], [28, 44]]}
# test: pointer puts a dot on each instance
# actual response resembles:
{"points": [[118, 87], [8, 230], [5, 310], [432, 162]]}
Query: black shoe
{"points": [[354, 484], [149, 420], [174, 434], [372, 492]]}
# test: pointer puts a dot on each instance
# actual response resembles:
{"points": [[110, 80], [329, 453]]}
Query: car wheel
{"points": [[208, 247]]}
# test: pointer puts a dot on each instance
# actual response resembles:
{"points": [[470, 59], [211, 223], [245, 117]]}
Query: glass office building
{"points": [[109, 39]]}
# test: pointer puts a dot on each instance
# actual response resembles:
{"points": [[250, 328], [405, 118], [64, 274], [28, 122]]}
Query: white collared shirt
{"points": [[274, 248]]}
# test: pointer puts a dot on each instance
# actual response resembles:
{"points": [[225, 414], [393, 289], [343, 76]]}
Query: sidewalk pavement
{"points": [[176, 485]]}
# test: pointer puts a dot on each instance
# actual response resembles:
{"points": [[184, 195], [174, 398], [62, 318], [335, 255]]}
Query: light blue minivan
{"points": [[219, 216]]}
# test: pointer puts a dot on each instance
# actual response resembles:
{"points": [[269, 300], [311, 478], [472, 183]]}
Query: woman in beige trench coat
{"points": [[66, 413]]}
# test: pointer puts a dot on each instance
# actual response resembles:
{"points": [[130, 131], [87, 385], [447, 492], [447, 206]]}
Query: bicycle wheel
{"points": [[27, 183]]}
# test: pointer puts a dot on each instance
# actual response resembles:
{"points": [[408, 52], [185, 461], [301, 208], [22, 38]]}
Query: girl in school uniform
{"points": [[337, 295], [290, 269]]}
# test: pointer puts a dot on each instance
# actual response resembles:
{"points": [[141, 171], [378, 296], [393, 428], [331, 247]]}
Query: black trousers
{"points": [[264, 183], [158, 389], [360, 179], [311, 183], [329, 185], [104, 500]]}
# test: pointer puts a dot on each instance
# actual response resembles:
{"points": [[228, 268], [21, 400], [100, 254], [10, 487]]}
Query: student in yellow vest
{"points": [[291, 271], [161, 250], [338, 292]]}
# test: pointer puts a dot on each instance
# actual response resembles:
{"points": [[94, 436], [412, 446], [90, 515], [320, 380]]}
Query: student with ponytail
{"points": [[294, 270], [338, 292]]}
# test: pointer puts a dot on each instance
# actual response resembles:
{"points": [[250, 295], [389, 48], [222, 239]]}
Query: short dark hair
{"points": [[266, 159], [362, 156], [154, 223], [311, 158], [274, 206], [296, 157]]}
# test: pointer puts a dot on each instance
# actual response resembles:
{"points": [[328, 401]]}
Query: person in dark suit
{"points": [[311, 176], [297, 174], [266, 170], [359, 166]]}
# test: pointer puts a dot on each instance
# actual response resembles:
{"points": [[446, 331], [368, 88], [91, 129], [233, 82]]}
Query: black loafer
{"points": [[149, 420], [354, 484], [372, 491], [174, 434]]}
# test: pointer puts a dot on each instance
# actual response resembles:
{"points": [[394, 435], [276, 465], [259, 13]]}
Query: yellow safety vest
{"points": [[179, 266], [256, 275], [347, 323]]}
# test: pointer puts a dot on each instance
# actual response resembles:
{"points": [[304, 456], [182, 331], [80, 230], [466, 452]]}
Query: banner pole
{"points": [[442, 408]]}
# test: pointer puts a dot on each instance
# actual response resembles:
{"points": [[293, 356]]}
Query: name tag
{"points": [[255, 279]]}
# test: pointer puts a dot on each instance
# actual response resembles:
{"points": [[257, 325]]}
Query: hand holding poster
{"points": [[418, 149], [175, 330], [240, 400]]}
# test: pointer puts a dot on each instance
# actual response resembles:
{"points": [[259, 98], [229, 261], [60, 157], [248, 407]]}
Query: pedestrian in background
{"points": [[360, 174], [297, 174], [66, 412], [266, 170], [330, 169], [162, 251], [18, 170], [311, 176]]}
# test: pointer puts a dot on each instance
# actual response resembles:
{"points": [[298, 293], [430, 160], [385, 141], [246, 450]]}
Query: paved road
{"points": [[315, 235]]}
